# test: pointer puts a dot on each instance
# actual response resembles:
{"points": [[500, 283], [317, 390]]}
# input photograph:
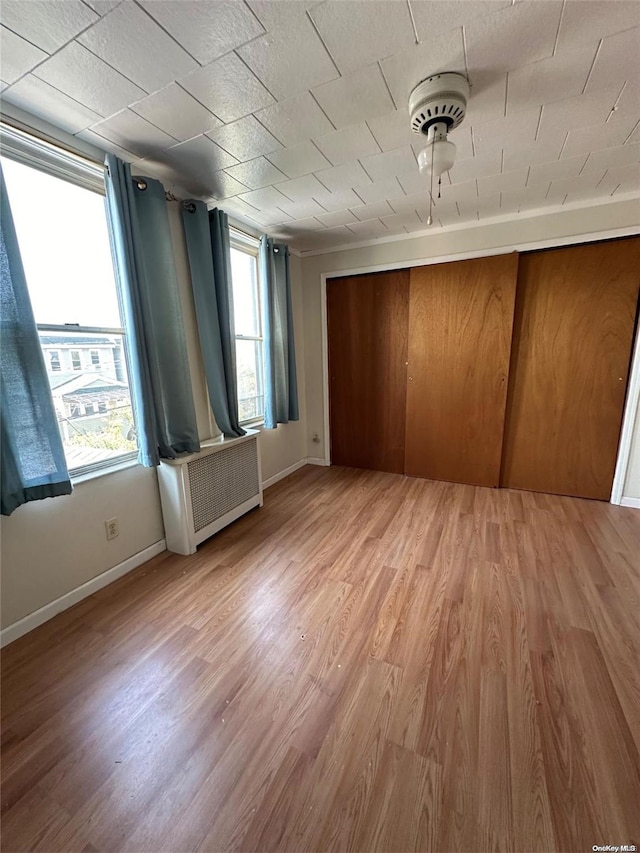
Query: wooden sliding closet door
{"points": [[573, 333], [367, 319], [460, 322]]}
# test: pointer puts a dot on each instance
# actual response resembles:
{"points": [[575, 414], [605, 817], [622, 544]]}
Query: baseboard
{"points": [[309, 460], [632, 502], [284, 473], [39, 617]]}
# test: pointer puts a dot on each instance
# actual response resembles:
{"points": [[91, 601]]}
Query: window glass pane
{"points": [[64, 243], [250, 381], [246, 305], [93, 406]]}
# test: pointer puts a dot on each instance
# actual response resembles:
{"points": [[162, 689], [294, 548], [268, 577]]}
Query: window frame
{"points": [[249, 245], [36, 153]]}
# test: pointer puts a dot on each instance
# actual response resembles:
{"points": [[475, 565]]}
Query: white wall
{"points": [[285, 446], [49, 548], [565, 227]]}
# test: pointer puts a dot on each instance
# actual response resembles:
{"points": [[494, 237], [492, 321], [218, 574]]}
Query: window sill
{"points": [[76, 479]]}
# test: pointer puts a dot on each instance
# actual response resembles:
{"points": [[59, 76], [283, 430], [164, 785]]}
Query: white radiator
{"points": [[203, 492]]}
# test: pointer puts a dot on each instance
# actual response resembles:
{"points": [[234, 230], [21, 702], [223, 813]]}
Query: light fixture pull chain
{"points": [[430, 218]]}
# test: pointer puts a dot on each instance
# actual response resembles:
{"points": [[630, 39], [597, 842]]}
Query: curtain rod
{"points": [[142, 185]]}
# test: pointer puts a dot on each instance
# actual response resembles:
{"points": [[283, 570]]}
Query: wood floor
{"points": [[369, 662]]}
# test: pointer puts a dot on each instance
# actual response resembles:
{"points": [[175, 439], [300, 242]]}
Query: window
{"points": [[70, 275], [248, 323]]}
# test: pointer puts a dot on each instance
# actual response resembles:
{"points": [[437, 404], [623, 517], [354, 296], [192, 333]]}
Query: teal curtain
{"points": [[160, 380], [207, 238], [281, 389], [32, 463]]}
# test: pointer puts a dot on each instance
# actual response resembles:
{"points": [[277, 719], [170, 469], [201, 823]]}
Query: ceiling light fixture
{"points": [[437, 105]]}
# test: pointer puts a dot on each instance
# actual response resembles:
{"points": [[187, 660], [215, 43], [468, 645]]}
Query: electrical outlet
{"points": [[112, 528]]}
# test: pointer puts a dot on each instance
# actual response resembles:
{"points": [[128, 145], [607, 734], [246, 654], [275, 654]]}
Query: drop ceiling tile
{"points": [[410, 203], [257, 173], [581, 111], [302, 209], [286, 72], [343, 177], [299, 160], [587, 21], [512, 29], [476, 167], [519, 128], [102, 6], [266, 198], [372, 211], [104, 144], [238, 207], [405, 70], [370, 228], [618, 60], [199, 159], [227, 88], [355, 97], [607, 158], [303, 188], [339, 217], [226, 186], [86, 78], [324, 239], [176, 112], [620, 179], [434, 18], [543, 151], [267, 218], [359, 33], [550, 79], [379, 191], [337, 201], [18, 56], [543, 173], [132, 42], [45, 24], [528, 198], [295, 120], [584, 186], [611, 133], [503, 182], [458, 192], [630, 98], [448, 217], [400, 163], [206, 30], [488, 96], [41, 99], [305, 225], [350, 143], [480, 208], [133, 133], [245, 139], [392, 130]]}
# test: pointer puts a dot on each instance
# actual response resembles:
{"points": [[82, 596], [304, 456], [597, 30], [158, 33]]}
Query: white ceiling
{"points": [[291, 114]]}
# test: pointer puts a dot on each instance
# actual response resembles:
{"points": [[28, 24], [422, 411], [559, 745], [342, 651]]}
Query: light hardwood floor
{"points": [[369, 662]]}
